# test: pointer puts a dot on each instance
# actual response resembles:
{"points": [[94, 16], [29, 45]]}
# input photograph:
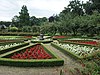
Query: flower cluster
{"points": [[35, 52], [9, 45], [83, 42], [58, 37], [27, 36], [78, 49]]}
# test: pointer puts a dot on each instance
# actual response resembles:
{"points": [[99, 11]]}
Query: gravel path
{"points": [[69, 63]]}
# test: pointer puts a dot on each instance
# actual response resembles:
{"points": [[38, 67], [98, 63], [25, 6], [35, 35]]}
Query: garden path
{"points": [[69, 63]]}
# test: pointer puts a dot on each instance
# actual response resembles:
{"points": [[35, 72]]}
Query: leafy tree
{"points": [[27, 29], [76, 7], [88, 8], [48, 28], [24, 18], [15, 21], [37, 21]]}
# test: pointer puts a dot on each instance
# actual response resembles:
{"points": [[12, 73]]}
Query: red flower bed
{"points": [[83, 42], [27, 36], [58, 37], [35, 52], [90, 43]]}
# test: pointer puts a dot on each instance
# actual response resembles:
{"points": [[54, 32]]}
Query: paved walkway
{"points": [[69, 63]]}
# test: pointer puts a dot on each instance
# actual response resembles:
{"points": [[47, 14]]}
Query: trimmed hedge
{"points": [[55, 61], [13, 48], [18, 34], [31, 63]]}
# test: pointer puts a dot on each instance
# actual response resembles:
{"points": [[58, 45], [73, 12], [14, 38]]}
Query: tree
{"points": [[37, 21], [24, 18], [15, 21], [88, 8], [76, 7]]}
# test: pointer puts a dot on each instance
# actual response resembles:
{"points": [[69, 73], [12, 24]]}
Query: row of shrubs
{"points": [[31, 63], [18, 34]]}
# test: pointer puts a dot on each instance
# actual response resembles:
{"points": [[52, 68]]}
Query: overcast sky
{"points": [[38, 8]]}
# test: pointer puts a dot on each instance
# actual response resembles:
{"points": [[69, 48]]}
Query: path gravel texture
{"points": [[69, 63]]}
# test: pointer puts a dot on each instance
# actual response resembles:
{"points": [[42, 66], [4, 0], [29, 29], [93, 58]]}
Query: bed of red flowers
{"points": [[58, 37], [27, 36], [35, 52], [90, 43], [83, 42]]}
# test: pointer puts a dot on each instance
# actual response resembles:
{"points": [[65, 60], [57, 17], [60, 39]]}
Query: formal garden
{"points": [[63, 44]]}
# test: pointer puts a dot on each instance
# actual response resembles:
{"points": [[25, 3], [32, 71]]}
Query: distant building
{"points": [[3, 27]]}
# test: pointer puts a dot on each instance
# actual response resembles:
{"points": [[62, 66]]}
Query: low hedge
{"points": [[31, 63], [65, 51], [13, 48], [18, 34]]}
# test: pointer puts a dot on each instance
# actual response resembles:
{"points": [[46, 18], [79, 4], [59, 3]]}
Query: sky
{"points": [[38, 8]]}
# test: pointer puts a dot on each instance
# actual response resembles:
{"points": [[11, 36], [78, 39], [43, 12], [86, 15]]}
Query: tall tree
{"points": [[24, 18], [76, 7]]}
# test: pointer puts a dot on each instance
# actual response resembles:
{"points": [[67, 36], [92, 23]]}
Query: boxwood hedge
{"points": [[31, 63]]}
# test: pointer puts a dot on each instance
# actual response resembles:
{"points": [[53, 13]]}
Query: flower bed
{"points": [[79, 51], [58, 37], [9, 45], [87, 42], [35, 52], [27, 36], [12, 47], [36, 55]]}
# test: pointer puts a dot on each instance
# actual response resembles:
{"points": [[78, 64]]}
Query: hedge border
{"points": [[65, 51], [33, 62]]}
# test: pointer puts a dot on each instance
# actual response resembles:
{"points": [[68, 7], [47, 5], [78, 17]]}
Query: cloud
{"points": [[38, 8]]}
